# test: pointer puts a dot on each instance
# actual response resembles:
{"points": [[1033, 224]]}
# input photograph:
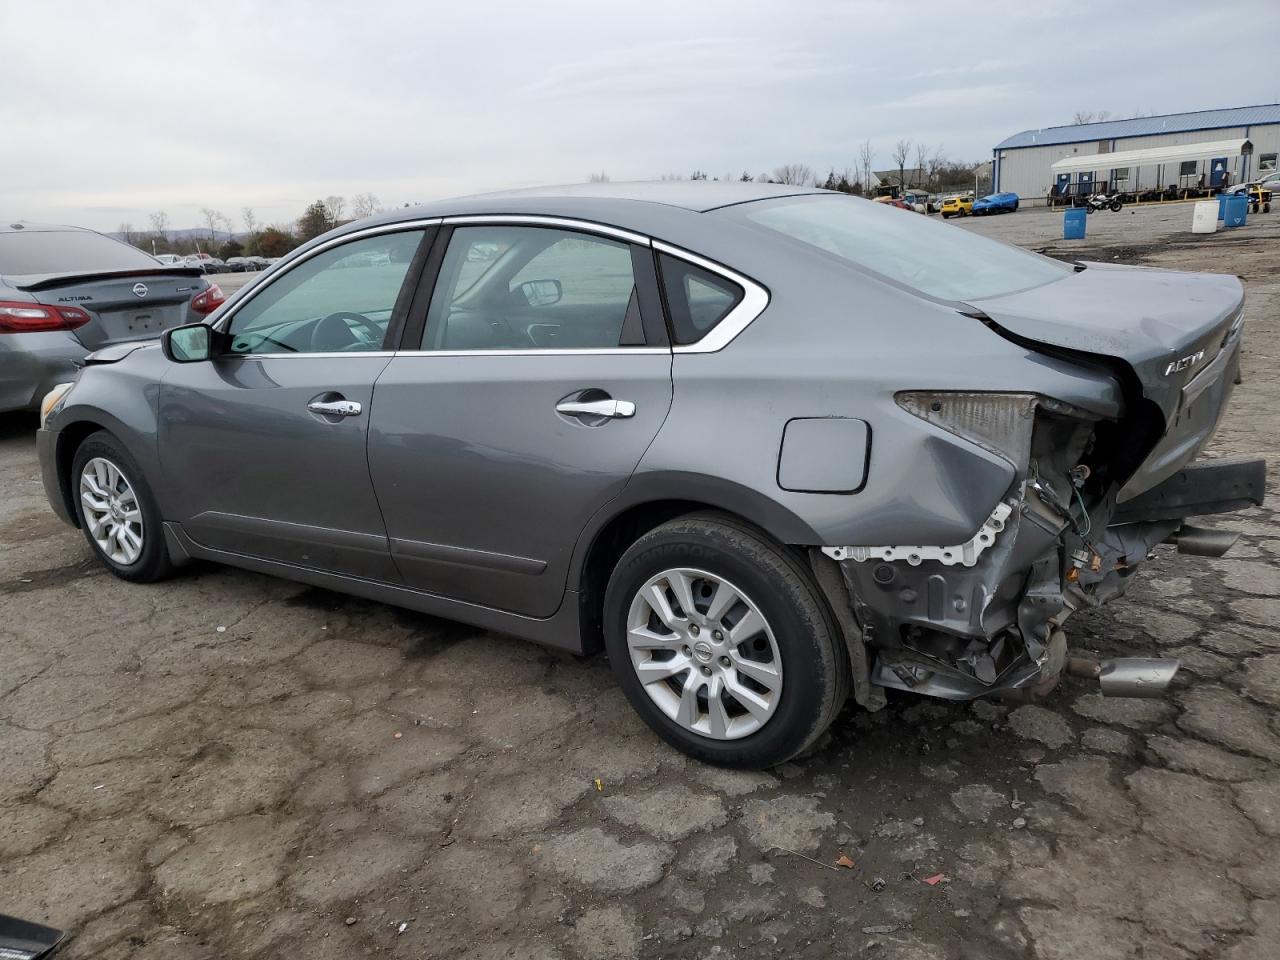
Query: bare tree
{"points": [[125, 232], [922, 161], [364, 205], [250, 220], [867, 156], [798, 174], [160, 224], [600, 177], [746, 177], [1082, 116], [212, 218], [937, 160], [901, 150], [333, 207], [698, 175]]}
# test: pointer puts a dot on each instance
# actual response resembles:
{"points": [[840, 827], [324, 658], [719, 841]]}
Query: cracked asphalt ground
{"points": [[231, 766]]}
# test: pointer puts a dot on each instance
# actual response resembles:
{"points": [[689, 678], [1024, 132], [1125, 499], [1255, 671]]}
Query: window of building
{"points": [[1189, 168], [1266, 162], [1120, 175]]}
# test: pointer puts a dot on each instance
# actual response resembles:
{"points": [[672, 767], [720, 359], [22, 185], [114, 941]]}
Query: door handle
{"points": [[610, 409], [335, 408]]}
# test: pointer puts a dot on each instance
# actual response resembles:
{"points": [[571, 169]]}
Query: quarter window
{"points": [[339, 301], [697, 299], [533, 288]]}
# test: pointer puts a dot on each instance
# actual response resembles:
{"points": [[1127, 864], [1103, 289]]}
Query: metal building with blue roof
{"points": [[1186, 151]]}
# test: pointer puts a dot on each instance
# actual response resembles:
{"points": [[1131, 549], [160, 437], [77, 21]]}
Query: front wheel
{"points": [[723, 643], [117, 510], [1115, 206]]}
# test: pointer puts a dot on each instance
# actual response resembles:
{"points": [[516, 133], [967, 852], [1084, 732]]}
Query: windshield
{"points": [[31, 252], [938, 260]]}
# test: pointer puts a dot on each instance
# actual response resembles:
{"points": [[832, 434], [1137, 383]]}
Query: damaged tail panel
{"points": [[1092, 497]]}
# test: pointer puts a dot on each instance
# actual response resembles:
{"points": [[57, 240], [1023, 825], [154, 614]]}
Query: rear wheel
{"points": [[1115, 206], [723, 643], [117, 511]]}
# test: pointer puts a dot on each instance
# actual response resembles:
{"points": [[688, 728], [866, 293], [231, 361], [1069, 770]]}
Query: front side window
{"points": [[697, 299], [532, 288], [935, 259], [339, 301]]}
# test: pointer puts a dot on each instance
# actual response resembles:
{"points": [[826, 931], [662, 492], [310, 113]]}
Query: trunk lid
{"points": [[122, 306], [1178, 332]]}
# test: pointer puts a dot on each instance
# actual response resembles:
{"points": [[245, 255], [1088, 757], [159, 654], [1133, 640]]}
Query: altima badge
{"points": [[139, 289], [1184, 363]]}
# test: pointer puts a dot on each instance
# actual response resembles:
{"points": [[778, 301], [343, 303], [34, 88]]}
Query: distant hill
{"points": [[199, 234]]}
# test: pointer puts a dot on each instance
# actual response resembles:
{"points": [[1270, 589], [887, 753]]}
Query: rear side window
{"points": [[26, 253], [507, 287], [697, 299]]}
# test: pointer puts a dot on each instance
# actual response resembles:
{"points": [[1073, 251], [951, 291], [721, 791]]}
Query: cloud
{"points": [[131, 108]]}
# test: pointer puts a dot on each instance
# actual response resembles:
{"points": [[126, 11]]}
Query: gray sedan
{"points": [[65, 292], [771, 448]]}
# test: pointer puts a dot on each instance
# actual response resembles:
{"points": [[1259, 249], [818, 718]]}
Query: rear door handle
{"points": [[335, 408], [610, 409]]}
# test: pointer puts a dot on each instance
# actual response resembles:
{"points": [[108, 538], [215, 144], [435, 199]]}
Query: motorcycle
{"points": [[1100, 201]]}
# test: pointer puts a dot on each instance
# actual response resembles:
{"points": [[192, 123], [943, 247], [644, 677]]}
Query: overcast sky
{"points": [[109, 111]]}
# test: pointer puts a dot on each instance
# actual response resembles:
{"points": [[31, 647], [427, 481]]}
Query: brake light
{"points": [[208, 301], [17, 316]]}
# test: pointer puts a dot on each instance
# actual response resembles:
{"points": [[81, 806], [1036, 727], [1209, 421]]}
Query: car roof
{"points": [[622, 204], [22, 226]]}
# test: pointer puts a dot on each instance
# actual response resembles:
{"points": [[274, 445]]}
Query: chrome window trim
{"points": [[306, 356], [223, 322], [755, 297], [539, 220], [754, 300], [541, 352]]}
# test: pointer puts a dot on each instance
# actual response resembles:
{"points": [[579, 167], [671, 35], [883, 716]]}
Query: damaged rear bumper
{"points": [[985, 617]]}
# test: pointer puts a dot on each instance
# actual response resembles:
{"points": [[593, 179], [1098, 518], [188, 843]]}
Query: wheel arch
{"points": [[74, 425], [646, 504]]}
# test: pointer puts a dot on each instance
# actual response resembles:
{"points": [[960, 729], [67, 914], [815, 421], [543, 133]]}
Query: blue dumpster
{"points": [[1073, 222], [1237, 210]]}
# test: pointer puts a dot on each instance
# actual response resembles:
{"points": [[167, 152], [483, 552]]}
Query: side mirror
{"points": [[541, 293], [187, 344]]}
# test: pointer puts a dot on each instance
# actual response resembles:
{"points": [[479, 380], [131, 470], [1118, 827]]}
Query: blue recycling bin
{"points": [[1222, 205], [1073, 222], [1236, 211]]}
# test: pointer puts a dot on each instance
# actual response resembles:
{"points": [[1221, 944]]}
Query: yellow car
{"points": [[957, 207]]}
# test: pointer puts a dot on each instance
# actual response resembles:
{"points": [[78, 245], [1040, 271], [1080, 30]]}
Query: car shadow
{"points": [[16, 425]]}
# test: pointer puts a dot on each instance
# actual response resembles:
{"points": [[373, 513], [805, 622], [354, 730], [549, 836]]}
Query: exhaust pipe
{"points": [[1203, 542], [1147, 677]]}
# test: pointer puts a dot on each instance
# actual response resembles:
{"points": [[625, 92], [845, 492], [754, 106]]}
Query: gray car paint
{"points": [[832, 343], [31, 364]]}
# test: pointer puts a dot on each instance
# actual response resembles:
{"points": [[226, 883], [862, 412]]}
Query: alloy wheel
{"points": [[111, 511], [704, 653]]}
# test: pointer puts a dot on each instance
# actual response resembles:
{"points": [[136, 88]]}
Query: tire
{"points": [[1115, 206], [1015, 206], [946, 216], [797, 639], [101, 453], [1088, 210]]}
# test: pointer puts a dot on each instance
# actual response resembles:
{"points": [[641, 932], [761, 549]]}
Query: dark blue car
{"points": [[996, 203]]}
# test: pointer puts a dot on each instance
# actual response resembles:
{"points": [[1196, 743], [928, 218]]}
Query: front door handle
{"points": [[609, 409], [335, 408]]}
